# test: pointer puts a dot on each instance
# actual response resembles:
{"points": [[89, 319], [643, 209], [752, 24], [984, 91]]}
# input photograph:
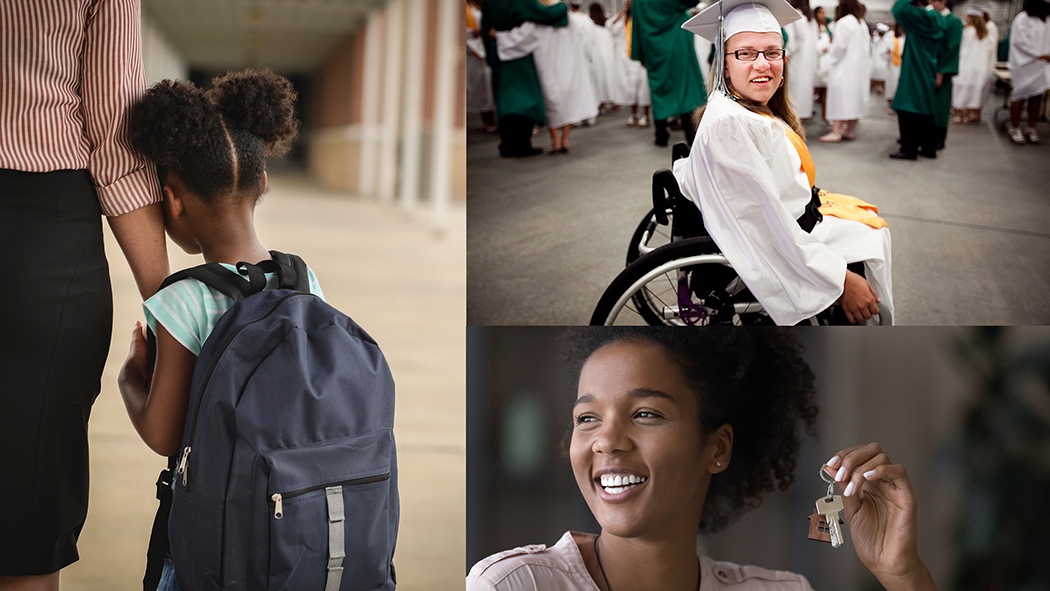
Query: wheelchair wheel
{"points": [[688, 282], [649, 235]]}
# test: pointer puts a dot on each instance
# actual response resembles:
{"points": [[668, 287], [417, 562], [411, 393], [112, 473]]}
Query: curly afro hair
{"points": [[216, 142], [756, 380]]}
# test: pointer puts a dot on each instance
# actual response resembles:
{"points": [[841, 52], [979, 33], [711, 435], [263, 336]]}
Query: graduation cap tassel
{"points": [[720, 56]]}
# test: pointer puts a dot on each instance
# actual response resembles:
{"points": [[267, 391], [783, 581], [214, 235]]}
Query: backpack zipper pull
{"points": [[278, 509], [184, 466]]}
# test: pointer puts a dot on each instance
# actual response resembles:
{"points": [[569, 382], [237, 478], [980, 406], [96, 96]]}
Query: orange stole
{"points": [[627, 32], [844, 207], [847, 207], [471, 23]]}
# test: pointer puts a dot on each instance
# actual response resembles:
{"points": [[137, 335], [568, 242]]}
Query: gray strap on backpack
{"points": [[336, 549]]}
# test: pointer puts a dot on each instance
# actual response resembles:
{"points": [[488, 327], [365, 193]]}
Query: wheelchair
{"points": [[677, 276]]}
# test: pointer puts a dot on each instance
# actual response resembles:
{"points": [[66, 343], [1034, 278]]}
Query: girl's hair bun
{"points": [[171, 118], [259, 102]]}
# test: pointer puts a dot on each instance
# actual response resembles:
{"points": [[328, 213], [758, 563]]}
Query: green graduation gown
{"points": [[667, 51], [924, 30], [948, 65], [515, 84]]}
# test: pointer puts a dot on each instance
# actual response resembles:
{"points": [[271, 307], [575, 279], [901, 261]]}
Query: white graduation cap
{"points": [[726, 18], [974, 11], [761, 16]]}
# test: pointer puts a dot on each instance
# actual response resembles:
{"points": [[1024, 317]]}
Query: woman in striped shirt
{"points": [[69, 70]]}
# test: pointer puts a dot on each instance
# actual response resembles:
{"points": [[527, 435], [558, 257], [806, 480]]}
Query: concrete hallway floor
{"points": [[402, 283], [971, 229]]}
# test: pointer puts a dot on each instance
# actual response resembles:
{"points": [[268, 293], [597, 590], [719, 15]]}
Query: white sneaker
{"points": [[1031, 136], [631, 121], [643, 122], [1016, 136]]}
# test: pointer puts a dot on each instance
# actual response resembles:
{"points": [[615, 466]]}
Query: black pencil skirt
{"points": [[56, 317]]}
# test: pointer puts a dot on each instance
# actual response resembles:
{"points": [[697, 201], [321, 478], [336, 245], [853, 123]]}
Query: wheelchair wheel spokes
{"points": [[667, 286]]}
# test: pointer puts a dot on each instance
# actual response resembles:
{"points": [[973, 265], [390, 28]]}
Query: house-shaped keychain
{"points": [[818, 527]]}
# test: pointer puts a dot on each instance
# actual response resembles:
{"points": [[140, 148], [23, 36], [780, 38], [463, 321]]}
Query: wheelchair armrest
{"points": [[665, 193]]}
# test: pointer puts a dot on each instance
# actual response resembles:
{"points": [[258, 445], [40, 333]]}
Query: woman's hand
{"points": [[858, 300], [881, 511]]}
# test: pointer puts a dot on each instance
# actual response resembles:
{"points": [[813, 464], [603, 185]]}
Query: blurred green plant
{"points": [[1003, 538]]}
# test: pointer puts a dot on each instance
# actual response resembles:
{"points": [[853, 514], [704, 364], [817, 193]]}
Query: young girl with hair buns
{"points": [[210, 149]]}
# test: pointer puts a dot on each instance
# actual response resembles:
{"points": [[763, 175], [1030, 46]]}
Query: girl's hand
{"points": [[881, 511], [134, 371], [858, 300]]}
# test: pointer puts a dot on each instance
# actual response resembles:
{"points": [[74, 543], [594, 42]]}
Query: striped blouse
{"points": [[69, 71]]}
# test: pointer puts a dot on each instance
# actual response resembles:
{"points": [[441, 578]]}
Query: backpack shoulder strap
{"points": [[292, 272], [216, 277]]}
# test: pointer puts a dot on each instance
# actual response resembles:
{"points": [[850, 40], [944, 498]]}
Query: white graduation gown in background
{"points": [[587, 37], [605, 56], [635, 88], [802, 67], [976, 67], [479, 76], [1029, 39], [745, 175], [820, 79], [893, 71], [879, 60], [849, 76], [561, 66]]}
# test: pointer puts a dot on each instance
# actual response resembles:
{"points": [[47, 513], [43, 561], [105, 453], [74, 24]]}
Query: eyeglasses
{"points": [[750, 55]]}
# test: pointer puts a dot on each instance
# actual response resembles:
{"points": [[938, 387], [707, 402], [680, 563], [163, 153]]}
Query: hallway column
{"points": [[444, 96], [370, 105], [391, 101], [411, 129]]}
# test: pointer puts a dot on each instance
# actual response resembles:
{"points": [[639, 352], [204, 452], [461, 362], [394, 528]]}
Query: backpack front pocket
{"points": [[330, 515]]}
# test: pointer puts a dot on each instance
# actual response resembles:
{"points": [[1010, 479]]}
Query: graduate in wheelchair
{"points": [[749, 240]]}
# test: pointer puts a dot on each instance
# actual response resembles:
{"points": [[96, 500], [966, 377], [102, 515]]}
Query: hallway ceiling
{"points": [[292, 36]]}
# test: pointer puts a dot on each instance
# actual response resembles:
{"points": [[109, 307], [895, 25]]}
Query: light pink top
{"points": [[69, 71], [561, 568]]}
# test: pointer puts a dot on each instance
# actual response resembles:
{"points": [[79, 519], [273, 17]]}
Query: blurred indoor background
{"points": [[966, 411], [372, 197]]}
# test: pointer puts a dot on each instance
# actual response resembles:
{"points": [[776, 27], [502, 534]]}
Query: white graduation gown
{"points": [[849, 77], [823, 61], [634, 78], [605, 56], [479, 76], [879, 60], [587, 37], [893, 71], [802, 65], [976, 66], [745, 175], [568, 96], [1029, 39]]}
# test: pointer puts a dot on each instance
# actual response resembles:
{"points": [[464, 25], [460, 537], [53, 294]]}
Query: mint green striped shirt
{"points": [[189, 309]]}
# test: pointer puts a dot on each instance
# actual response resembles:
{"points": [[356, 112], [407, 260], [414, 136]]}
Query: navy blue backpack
{"points": [[287, 477]]}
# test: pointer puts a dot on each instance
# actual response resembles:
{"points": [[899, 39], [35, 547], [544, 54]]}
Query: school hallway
{"points": [[403, 282], [971, 228]]}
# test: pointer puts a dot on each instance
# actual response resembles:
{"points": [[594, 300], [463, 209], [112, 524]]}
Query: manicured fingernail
{"points": [[833, 461], [840, 474], [869, 474], [849, 489]]}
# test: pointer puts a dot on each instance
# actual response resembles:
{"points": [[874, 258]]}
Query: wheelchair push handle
{"points": [[665, 193]]}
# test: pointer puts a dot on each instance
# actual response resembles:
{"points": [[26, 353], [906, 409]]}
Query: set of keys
{"points": [[825, 523]]}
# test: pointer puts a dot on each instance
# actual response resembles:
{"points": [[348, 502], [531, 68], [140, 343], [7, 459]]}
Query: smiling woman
{"points": [[678, 432]]}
